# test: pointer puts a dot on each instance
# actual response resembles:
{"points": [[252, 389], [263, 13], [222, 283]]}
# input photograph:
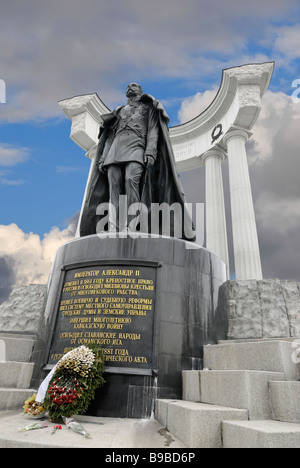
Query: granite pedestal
{"points": [[177, 284]]}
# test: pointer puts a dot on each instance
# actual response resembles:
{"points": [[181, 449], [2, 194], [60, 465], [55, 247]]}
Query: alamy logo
{"points": [[158, 219], [296, 353], [2, 92], [296, 84]]}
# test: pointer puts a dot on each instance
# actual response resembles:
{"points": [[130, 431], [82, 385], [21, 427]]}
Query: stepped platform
{"points": [[254, 382], [247, 397]]}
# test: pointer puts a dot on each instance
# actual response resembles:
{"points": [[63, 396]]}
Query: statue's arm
{"points": [[100, 155], [106, 136], [152, 136]]}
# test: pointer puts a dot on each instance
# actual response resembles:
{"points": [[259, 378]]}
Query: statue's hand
{"points": [[101, 167], [149, 160]]}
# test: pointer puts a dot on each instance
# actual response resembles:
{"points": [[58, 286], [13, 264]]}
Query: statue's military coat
{"points": [[160, 183]]}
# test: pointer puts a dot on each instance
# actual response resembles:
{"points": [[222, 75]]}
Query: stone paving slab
{"points": [[104, 432]]}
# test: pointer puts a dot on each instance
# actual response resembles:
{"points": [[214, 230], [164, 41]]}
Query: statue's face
{"points": [[133, 89]]}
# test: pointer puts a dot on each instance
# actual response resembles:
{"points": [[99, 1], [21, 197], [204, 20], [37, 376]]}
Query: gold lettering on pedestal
{"points": [[106, 306]]}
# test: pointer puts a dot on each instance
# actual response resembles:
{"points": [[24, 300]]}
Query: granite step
{"points": [[260, 355], [16, 348], [285, 401], [11, 398], [260, 434], [197, 425], [247, 390], [16, 374]]}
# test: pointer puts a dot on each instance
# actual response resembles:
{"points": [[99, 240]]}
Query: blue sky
{"points": [[46, 189], [176, 50]]}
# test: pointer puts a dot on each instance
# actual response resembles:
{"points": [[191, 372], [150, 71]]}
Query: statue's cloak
{"points": [[160, 183]]}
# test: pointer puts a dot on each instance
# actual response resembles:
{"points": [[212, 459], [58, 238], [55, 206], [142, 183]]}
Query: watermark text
{"points": [[296, 352], [158, 220]]}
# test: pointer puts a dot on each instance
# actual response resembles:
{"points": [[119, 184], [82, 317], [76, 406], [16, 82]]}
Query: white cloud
{"points": [[61, 49], [12, 182], [30, 256], [5, 178], [277, 110], [283, 214], [11, 156], [195, 105], [288, 40]]}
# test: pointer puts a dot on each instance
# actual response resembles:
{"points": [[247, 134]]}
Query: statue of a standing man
{"points": [[135, 158], [134, 148]]}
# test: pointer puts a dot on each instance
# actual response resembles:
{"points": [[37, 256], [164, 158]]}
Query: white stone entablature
{"points": [[85, 112], [220, 132], [237, 105]]}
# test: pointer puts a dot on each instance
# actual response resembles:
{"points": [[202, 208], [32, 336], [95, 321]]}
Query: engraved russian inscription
{"points": [[112, 307]]}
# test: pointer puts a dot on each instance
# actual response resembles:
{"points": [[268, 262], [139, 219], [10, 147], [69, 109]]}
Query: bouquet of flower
{"points": [[34, 409], [78, 374], [33, 427], [76, 427]]}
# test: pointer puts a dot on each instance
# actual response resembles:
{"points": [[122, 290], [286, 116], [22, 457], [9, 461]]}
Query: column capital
{"points": [[214, 153], [236, 133], [92, 151]]}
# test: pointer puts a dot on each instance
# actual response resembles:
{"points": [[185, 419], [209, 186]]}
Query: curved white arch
{"points": [[237, 105]]}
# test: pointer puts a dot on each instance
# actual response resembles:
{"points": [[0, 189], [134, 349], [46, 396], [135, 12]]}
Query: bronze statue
{"points": [[135, 158]]}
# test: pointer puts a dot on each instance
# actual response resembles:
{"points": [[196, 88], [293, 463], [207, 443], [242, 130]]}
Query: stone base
{"points": [[184, 316], [261, 309]]}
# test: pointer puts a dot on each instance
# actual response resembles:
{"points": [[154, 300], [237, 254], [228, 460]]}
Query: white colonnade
{"points": [[220, 132]]}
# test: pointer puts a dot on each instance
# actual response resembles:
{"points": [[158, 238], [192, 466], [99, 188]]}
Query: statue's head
{"points": [[134, 89]]}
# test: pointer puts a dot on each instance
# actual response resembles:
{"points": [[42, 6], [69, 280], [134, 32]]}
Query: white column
{"points": [[91, 155], [245, 241], [216, 233]]}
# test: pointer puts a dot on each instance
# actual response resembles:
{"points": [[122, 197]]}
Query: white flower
{"points": [[81, 357]]}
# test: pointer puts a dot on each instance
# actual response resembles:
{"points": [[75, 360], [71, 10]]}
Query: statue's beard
{"points": [[133, 98]]}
